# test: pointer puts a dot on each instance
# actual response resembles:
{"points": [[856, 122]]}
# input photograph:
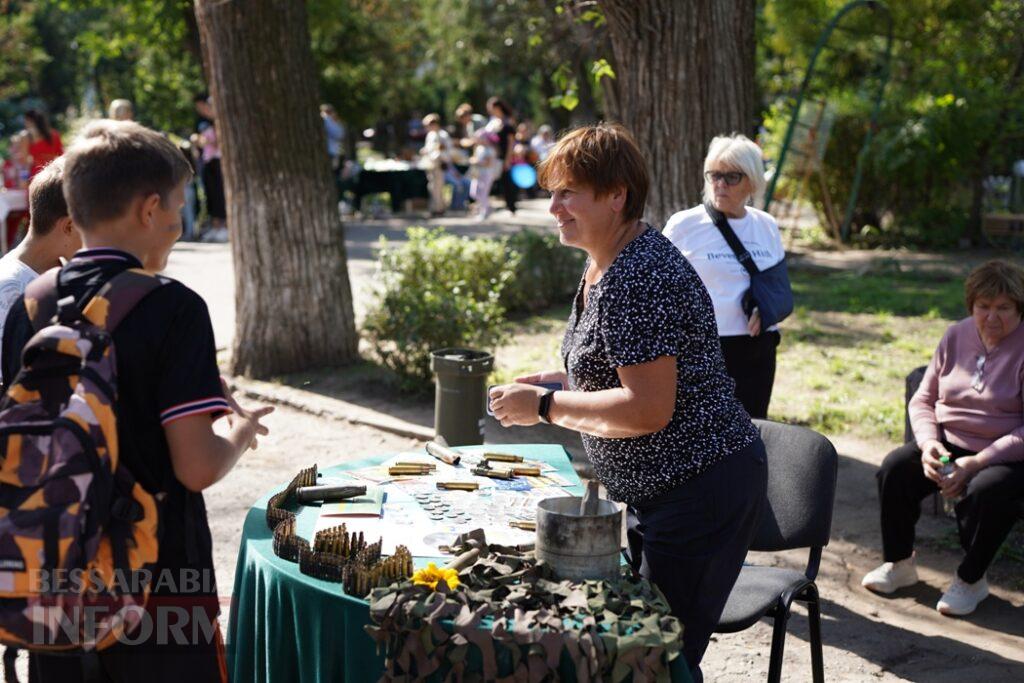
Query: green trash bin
{"points": [[461, 394]]}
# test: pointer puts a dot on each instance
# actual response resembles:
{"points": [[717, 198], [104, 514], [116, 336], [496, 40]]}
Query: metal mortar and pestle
{"points": [[580, 537]]}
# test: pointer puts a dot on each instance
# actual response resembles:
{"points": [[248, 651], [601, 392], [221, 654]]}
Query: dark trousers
{"points": [[509, 190], [750, 361], [984, 515], [691, 542], [188, 655]]}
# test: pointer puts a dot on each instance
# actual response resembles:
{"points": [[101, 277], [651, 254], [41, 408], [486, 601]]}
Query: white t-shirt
{"points": [[14, 277], [695, 235]]}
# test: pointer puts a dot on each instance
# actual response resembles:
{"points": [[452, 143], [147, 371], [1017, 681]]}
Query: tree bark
{"points": [[293, 301], [684, 72]]}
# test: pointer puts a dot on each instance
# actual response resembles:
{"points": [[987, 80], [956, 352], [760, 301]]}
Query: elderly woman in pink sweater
{"points": [[970, 409]]}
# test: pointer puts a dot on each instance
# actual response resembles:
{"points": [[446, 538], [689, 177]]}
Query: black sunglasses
{"points": [[730, 178]]}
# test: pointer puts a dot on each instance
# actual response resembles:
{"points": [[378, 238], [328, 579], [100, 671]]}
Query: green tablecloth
{"points": [[286, 626]]}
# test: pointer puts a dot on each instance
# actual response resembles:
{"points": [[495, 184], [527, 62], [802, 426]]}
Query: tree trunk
{"points": [[684, 72], [292, 297]]}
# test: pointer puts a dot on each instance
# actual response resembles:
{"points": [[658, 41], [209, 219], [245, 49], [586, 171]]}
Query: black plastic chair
{"points": [[802, 468]]}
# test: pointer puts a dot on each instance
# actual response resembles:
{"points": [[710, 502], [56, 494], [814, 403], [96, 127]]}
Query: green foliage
{"points": [[547, 273], [437, 290], [368, 56], [68, 52], [953, 110]]}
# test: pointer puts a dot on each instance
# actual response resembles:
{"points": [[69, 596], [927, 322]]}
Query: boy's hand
{"points": [[248, 420]]}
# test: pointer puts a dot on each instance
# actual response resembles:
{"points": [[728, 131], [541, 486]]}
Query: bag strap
{"points": [[722, 223], [106, 309], [41, 299]]}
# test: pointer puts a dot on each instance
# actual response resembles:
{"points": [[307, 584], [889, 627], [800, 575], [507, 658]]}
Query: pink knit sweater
{"points": [[947, 406]]}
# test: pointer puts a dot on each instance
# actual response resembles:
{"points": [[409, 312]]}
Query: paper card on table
{"points": [[549, 479], [364, 506]]}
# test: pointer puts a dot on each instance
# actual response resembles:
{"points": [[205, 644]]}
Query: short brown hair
{"points": [[46, 203], [114, 162], [992, 279], [603, 157]]}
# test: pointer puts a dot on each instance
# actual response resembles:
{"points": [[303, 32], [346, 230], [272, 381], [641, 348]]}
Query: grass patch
{"points": [[935, 295]]}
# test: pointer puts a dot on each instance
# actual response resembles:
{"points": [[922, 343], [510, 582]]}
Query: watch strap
{"points": [[544, 407]]}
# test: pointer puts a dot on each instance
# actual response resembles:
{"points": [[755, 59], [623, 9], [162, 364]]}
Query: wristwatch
{"points": [[544, 407]]}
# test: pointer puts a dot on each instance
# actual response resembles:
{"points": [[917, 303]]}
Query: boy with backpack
{"points": [[125, 187]]}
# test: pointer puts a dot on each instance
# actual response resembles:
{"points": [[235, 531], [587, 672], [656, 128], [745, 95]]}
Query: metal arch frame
{"points": [[875, 6]]}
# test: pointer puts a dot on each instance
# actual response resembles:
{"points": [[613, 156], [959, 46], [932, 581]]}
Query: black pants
{"points": [[213, 186], [192, 654], [691, 542], [984, 516], [750, 361], [509, 190]]}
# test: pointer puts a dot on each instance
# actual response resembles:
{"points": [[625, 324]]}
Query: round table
{"points": [[286, 626]]}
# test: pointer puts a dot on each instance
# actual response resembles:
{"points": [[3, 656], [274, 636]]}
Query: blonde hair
{"points": [[741, 153]]}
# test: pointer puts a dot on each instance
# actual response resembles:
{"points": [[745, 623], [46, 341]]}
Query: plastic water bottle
{"points": [[948, 504]]}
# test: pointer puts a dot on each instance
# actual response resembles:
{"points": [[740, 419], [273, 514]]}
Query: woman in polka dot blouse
{"points": [[646, 386]]}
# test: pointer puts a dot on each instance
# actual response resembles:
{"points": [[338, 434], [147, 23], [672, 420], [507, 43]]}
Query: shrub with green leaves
{"points": [[547, 273], [437, 290]]}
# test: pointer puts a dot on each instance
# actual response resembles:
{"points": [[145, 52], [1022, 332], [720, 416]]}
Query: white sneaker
{"points": [[891, 576], [962, 598]]}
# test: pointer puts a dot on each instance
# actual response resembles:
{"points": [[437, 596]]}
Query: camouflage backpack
{"points": [[78, 535]]}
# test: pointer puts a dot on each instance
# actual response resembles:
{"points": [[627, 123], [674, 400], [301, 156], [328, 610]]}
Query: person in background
{"points": [[17, 167], [17, 172], [464, 125], [734, 179], [970, 409], [501, 121], [190, 210], [51, 237], [213, 180], [437, 159], [542, 142], [44, 142], [121, 110], [484, 168], [335, 132]]}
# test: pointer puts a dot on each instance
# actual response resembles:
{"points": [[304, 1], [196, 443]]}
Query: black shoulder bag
{"points": [[769, 289]]}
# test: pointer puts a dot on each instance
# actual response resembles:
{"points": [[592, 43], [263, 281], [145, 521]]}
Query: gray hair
{"points": [[741, 153], [121, 110]]}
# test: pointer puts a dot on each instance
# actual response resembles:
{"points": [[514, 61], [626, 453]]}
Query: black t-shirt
{"points": [[166, 370], [648, 304], [505, 136]]}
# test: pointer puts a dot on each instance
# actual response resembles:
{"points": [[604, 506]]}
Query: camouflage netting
{"points": [[513, 611]]}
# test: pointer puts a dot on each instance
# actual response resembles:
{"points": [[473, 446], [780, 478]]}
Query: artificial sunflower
{"points": [[431, 575]]}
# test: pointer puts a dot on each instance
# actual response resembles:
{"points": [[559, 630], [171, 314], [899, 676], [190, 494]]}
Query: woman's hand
{"points": [[546, 377], [964, 470], [754, 323], [516, 404], [931, 451]]}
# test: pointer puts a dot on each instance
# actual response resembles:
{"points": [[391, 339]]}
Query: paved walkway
{"points": [[208, 269]]}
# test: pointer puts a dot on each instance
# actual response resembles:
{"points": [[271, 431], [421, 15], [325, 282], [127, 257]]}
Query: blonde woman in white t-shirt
{"points": [[733, 180]]}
